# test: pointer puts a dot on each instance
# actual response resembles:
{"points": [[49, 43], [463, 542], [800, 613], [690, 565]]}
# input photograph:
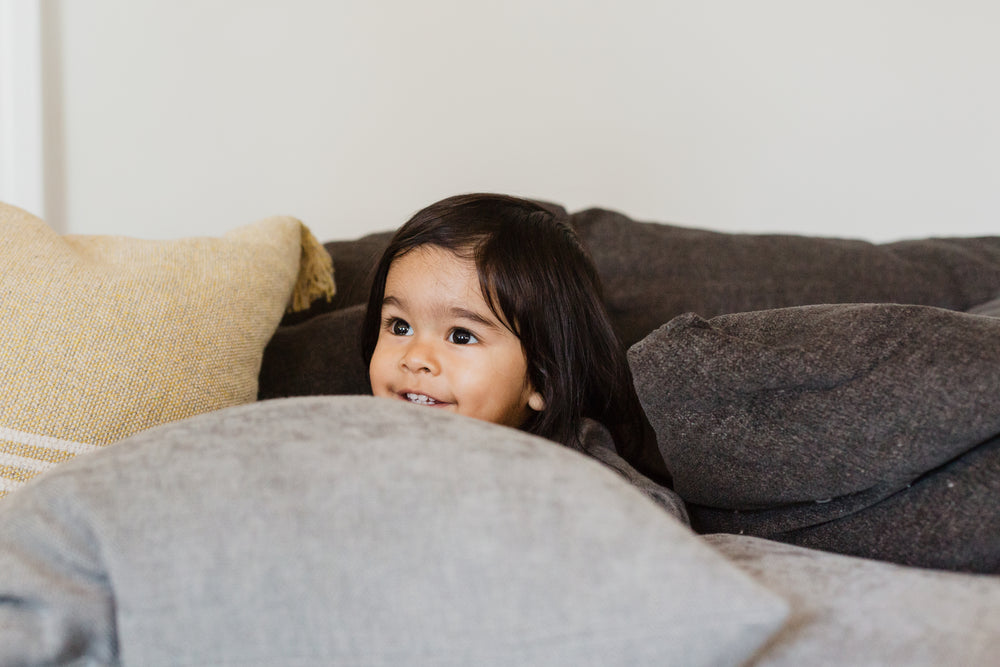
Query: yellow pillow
{"points": [[104, 336]]}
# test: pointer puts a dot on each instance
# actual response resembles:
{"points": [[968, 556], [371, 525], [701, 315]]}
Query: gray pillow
{"points": [[356, 530], [653, 272], [811, 425], [852, 611]]}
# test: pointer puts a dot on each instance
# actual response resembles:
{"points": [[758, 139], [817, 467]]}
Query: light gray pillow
{"points": [[356, 530], [854, 611]]}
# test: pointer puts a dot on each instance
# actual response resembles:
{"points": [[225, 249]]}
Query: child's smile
{"points": [[422, 399], [441, 346]]}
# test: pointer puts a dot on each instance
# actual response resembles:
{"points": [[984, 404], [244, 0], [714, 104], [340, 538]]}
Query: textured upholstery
{"points": [[104, 336], [356, 530]]}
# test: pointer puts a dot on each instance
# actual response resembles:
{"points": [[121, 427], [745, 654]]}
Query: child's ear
{"points": [[536, 402]]}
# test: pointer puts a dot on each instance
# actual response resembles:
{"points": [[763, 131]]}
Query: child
{"points": [[488, 306]]}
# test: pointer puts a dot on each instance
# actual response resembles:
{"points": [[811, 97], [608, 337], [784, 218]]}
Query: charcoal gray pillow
{"points": [[356, 530], [866, 429], [318, 356], [653, 272]]}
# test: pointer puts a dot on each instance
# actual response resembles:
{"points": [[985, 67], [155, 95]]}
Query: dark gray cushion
{"points": [[318, 356], [356, 530], [654, 272], [948, 518], [852, 611], [811, 424]]}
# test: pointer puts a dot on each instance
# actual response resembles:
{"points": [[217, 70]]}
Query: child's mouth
{"points": [[421, 399]]}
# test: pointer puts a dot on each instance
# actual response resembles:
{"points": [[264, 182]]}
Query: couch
{"points": [[195, 474]]}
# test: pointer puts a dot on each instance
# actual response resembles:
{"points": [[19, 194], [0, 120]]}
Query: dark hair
{"points": [[537, 278]]}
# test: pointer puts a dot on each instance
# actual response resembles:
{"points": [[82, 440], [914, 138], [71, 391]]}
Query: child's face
{"points": [[440, 345]]}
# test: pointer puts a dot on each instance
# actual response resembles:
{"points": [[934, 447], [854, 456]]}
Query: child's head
{"points": [[442, 345], [500, 289]]}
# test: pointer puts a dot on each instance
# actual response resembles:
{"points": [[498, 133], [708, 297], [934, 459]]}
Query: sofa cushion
{"points": [[853, 611], [356, 530], [813, 423], [105, 336], [948, 518], [654, 272], [320, 355]]}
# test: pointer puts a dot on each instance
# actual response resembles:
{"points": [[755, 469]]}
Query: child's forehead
{"points": [[437, 280], [432, 260], [433, 274], [464, 253]]}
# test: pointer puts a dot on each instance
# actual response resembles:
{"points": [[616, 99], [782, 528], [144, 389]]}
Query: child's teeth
{"points": [[420, 398]]}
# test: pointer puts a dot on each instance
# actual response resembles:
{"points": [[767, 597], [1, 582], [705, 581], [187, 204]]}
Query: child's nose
{"points": [[419, 356]]}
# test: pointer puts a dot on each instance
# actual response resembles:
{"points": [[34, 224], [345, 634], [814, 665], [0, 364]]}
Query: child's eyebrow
{"points": [[457, 312], [471, 315], [391, 301]]}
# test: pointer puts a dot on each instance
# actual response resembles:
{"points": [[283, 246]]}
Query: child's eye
{"points": [[462, 337], [398, 327]]}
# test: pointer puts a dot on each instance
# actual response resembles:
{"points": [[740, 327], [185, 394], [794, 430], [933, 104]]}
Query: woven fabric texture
{"points": [[338, 530], [105, 336]]}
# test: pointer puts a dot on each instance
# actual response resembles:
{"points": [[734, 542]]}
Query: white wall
{"points": [[863, 118], [21, 110]]}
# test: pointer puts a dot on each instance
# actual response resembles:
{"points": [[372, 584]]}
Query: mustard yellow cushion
{"points": [[104, 336]]}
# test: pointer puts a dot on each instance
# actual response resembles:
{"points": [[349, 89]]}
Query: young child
{"points": [[488, 306]]}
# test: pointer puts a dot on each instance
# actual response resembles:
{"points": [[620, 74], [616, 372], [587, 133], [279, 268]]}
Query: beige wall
{"points": [[864, 118]]}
